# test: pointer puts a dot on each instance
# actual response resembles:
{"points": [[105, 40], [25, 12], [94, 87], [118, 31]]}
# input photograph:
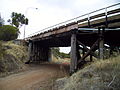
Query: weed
{"points": [[100, 75]]}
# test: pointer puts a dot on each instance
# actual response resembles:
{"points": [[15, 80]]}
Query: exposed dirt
{"points": [[37, 77]]}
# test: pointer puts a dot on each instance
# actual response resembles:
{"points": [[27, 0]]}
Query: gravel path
{"points": [[37, 77]]}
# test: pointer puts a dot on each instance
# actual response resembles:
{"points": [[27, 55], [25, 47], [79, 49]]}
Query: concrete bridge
{"points": [[95, 30]]}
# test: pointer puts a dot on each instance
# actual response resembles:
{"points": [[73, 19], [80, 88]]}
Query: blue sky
{"points": [[49, 12]]}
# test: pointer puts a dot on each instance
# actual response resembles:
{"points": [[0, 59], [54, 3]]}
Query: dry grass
{"points": [[12, 59], [17, 51], [60, 60], [100, 75]]}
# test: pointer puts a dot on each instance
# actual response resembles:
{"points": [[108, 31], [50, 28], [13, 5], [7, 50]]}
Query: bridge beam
{"points": [[75, 56], [101, 42], [30, 50], [101, 49]]}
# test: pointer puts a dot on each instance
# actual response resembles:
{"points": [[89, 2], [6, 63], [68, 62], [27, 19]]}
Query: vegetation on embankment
{"points": [[100, 75], [12, 57], [56, 52], [60, 57]]}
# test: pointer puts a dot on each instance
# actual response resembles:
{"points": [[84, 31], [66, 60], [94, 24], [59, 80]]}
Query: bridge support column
{"points": [[37, 52], [74, 54], [50, 55], [33, 51], [101, 49], [43, 54], [101, 43], [29, 52], [91, 59]]}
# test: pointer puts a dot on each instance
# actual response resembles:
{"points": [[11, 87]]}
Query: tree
{"points": [[57, 53], [1, 21], [18, 19], [8, 32]]}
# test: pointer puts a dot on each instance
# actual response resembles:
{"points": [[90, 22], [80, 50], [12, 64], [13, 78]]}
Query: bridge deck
{"points": [[109, 19], [85, 35], [113, 22]]}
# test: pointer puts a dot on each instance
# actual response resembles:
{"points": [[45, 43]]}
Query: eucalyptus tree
{"points": [[1, 21], [18, 20]]}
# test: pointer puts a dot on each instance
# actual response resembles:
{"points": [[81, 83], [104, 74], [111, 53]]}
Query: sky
{"points": [[49, 12]]}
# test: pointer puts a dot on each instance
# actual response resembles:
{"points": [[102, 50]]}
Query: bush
{"points": [[1, 50], [8, 32], [57, 53]]}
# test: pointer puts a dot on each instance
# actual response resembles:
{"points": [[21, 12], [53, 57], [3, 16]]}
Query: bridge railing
{"points": [[94, 15]]}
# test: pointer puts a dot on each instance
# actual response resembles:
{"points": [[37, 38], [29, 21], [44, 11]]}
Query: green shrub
{"points": [[8, 32]]}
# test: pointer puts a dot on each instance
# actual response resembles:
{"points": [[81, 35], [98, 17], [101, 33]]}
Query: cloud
{"points": [[57, 3]]}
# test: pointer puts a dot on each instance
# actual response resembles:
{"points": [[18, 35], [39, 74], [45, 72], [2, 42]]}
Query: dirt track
{"points": [[38, 77]]}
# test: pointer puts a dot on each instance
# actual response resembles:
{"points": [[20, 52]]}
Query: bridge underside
{"points": [[87, 37], [79, 40]]}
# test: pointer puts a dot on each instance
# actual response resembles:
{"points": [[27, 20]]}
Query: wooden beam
{"points": [[113, 11], [91, 59], [97, 16], [82, 20], [33, 52], [83, 51], [37, 53], [50, 55], [73, 55], [101, 42], [89, 51], [86, 49], [98, 22], [101, 49]]}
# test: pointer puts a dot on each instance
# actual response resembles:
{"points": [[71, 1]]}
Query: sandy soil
{"points": [[37, 77]]}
